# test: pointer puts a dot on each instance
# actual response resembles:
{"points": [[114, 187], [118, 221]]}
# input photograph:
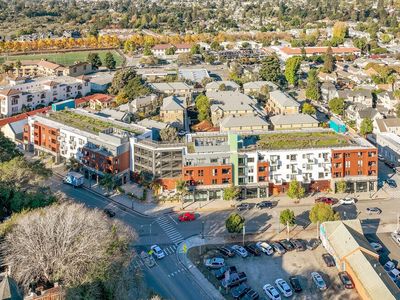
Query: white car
{"points": [[240, 250], [347, 200], [265, 247], [283, 287], [157, 251], [319, 281], [376, 246], [394, 275], [389, 266], [271, 292]]}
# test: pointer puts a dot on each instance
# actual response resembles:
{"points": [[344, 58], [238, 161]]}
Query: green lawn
{"points": [[301, 140], [67, 58]]}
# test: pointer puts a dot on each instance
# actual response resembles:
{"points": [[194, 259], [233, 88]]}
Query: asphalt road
{"points": [[168, 278]]}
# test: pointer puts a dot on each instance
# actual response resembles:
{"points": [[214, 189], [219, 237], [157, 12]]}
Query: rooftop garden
{"points": [[86, 123], [293, 140]]}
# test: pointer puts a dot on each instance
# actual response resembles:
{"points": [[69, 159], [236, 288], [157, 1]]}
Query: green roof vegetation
{"points": [[295, 140], [86, 123]]}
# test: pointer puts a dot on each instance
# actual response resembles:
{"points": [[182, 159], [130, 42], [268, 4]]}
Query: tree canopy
{"points": [[203, 107], [169, 134], [322, 212], [313, 91], [337, 105], [109, 61], [8, 150], [287, 216], [95, 60], [271, 70], [291, 68], [231, 193], [329, 61], [308, 109], [366, 126], [234, 223], [295, 190]]}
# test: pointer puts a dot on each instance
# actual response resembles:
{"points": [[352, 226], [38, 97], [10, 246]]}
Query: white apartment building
{"points": [[29, 94]]}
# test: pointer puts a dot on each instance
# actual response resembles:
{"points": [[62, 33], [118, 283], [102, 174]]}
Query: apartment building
{"points": [[40, 92], [287, 52], [172, 88], [263, 165], [173, 111], [280, 103], [34, 68], [160, 50]]}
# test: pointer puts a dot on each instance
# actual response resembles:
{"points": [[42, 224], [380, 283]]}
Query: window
{"points": [[347, 164], [213, 160], [200, 173], [189, 172], [214, 181], [360, 163], [320, 175], [250, 179], [360, 154], [261, 169], [225, 171], [250, 159], [14, 101], [215, 172], [359, 172], [347, 155], [251, 170], [261, 179], [225, 180]]}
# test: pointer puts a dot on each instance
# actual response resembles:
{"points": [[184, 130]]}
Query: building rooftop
{"points": [[317, 50], [228, 83], [283, 99], [195, 75], [167, 86], [173, 103], [243, 121], [293, 119]]}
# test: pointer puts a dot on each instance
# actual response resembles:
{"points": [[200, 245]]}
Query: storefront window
{"points": [[361, 186], [251, 193]]}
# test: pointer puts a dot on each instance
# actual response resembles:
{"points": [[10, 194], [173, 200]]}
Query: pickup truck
{"points": [[234, 279], [220, 273]]}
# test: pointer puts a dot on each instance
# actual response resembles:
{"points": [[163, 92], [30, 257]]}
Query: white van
{"points": [[394, 274]]}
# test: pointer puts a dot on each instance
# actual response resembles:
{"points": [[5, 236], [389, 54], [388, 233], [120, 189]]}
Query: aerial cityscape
{"points": [[205, 150]]}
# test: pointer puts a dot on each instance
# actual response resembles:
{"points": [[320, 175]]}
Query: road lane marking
{"points": [[173, 220]]}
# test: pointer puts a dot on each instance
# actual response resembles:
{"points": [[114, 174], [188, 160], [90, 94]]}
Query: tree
{"points": [[128, 85], [313, 88], [108, 181], [339, 32], [295, 190], [366, 126], [231, 193], [341, 186], [70, 243], [182, 189], [215, 46], [329, 62], [185, 59], [337, 105], [308, 109], [234, 223], [73, 164], [291, 68], [94, 59], [270, 69], [169, 134], [8, 150], [170, 51], [203, 107], [222, 87], [147, 51], [109, 61], [195, 49], [287, 216], [322, 212]]}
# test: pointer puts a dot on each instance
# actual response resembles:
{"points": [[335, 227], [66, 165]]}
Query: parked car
{"points": [[391, 183], [251, 248], [271, 292], [239, 250], [390, 164], [389, 266], [381, 158], [251, 295], [396, 237], [234, 279], [157, 251], [328, 259], [187, 217], [319, 281], [226, 251], [295, 283], [220, 273], [377, 247], [110, 213], [278, 248], [265, 247], [287, 245], [214, 263], [283, 287], [313, 244], [373, 210], [238, 291], [346, 280], [243, 206], [264, 204], [298, 244], [347, 201], [325, 200], [394, 275]]}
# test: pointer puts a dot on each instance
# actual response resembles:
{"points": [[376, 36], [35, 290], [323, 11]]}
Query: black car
{"points": [[298, 244], [240, 290], [390, 164], [264, 204], [328, 259], [234, 280], [287, 245], [220, 273], [251, 248], [109, 212], [346, 280], [243, 206], [226, 251], [295, 283], [251, 295], [313, 244], [278, 247]]}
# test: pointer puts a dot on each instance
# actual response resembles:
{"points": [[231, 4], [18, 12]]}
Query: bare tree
{"points": [[68, 243]]}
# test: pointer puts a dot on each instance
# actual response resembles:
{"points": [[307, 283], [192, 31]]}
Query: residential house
{"points": [[293, 121], [389, 146], [101, 81], [368, 112], [357, 96], [328, 91], [172, 88], [143, 104], [100, 101], [173, 111], [280, 103], [14, 130], [246, 123], [182, 48], [391, 125], [387, 100], [256, 86], [160, 50], [226, 85]]}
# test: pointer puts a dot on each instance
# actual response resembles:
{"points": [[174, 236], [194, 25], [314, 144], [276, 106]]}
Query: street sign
{"points": [[184, 248]]}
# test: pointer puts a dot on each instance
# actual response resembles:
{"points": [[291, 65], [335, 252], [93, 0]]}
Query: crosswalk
{"points": [[173, 234]]}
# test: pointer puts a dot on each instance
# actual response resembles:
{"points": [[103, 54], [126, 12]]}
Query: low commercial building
{"points": [[244, 123], [389, 146], [293, 121], [280, 103], [388, 125], [287, 52], [346, 242], [40, 92]]}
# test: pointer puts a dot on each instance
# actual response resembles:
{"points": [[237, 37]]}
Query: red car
{"points": [[325, 200], [186, 217]]}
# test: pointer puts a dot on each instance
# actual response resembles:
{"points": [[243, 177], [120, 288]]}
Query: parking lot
{"points": [[264, 269]]}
